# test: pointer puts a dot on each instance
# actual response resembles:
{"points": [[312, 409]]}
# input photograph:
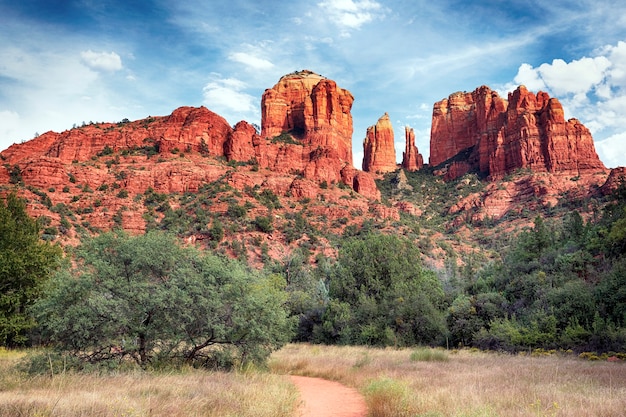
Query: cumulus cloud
{"points": [[226, 97], [101, 61], [578, 76], [251, 61], [592, 89], [350, 14], [612, 150]]}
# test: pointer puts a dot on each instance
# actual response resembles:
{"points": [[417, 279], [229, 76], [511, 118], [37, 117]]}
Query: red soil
{"points": [[323, 398]]}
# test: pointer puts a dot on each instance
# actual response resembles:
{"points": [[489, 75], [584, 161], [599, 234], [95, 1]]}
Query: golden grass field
{"points": [[409, 382], [465, 383]]}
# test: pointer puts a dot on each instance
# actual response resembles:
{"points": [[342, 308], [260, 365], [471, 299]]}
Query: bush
{"points": [[264, 224]]}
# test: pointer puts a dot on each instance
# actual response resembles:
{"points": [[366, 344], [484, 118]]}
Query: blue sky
{"points": [[65, 62]]}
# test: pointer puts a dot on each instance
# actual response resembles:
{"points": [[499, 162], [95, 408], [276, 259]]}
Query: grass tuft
{"points": [[429, 355], [387, 397]]}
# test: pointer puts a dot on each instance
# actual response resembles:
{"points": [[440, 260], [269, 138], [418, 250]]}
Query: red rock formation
{"points": [[313, 109], [616, 177], [378, 147], [239, 145], [497, 137], [186, 129], [412, 160], [360, 181]]}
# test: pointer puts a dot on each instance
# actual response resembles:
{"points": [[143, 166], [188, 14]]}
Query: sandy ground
{"points": [[322, 398]]}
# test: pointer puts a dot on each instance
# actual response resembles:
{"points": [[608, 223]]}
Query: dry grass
{"points": [[186, 393], [395, 383], [464, 383]]}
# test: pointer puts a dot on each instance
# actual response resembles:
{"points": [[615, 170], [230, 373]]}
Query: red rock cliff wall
{"points": [[499, 136], [313, 109]]}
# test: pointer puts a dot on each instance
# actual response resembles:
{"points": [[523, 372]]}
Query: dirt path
{"points": [[323, 398]]}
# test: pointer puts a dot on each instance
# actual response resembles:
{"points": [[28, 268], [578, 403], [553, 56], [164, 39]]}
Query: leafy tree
{"points": [[149, 299], [25, 263], [391, 299], [307, 292]]}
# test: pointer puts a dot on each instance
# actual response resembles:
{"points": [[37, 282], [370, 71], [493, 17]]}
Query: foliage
{"points": [[307, 291], [286, 138], [25, 264], [148, 299], [380, 295], [558, 285]]}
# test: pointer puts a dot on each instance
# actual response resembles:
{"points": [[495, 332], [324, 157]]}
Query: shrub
{"points": [[152, 301], [264, 224]]}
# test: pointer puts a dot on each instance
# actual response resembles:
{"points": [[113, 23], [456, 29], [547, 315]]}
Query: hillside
{"points": [[259, 193]]}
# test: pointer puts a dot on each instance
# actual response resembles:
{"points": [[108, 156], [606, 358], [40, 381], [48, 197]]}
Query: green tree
{"points": [[25, 263], [392, 299], [149, 299]]}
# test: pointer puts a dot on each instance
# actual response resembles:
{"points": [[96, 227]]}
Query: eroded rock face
{"points": [[187, 129], [495, 136], [412, 160], [312, 109], [379, 154]]}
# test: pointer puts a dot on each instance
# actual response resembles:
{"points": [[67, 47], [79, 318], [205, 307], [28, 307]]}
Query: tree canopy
{"points": [[25, 263], [150, 299], [380, 295]]}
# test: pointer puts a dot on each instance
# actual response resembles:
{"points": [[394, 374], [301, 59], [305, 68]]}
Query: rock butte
{"points": [[480, 131], [412, 160]]}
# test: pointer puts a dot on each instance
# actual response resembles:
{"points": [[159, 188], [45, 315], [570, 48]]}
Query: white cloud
{"points": [[9, 127], [351, 14], [101, 61], [612, 150], [251, 61], [226, 97], [591, 89], [529, 77]]}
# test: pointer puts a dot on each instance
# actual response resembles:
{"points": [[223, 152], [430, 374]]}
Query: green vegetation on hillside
{"points": [[560, 284]]}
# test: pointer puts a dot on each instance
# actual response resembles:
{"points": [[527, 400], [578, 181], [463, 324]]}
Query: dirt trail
{"points": [[323, 398]]}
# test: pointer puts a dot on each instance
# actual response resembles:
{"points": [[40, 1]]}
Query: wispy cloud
{"points": [[251, 61], [227, 97], [101, 61], [350, 14]]}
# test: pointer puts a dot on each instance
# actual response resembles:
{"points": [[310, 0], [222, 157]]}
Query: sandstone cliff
{"points": [[312, 109], [306, 128], [306, 131], [412, 160], [482, 132], [379, 154]]}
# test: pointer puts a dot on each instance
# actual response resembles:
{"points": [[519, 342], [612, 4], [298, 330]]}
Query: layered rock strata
{"points": [[496, 136]]}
